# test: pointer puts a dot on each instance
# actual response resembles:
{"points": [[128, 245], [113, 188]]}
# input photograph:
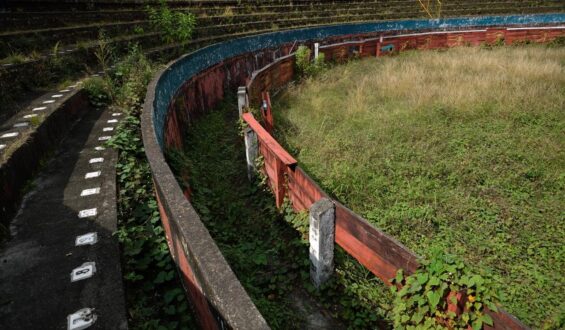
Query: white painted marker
{"points": [[116, 114], [96, 160], [2, 146], [88, 213], [9, 135], [25, 124], [86, 239], [104, 138], [30, 116], [39, 109], [90, 191], [48, 101], [56, 96], [107, 129], [99, 148], [112, 121], [64, 90], [81, 319], [91, 175], [85, 271]]}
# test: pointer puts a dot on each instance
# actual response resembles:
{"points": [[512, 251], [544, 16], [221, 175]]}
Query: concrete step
{"points": [[37, 290]]}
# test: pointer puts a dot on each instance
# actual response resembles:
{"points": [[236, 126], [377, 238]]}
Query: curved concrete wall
{"points": [[195, 83]]}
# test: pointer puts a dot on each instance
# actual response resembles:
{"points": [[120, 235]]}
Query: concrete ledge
{"points": [[19, 168]]}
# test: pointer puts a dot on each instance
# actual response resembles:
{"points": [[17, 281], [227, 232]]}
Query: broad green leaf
{"points": [[433, 298], [487, 319]]}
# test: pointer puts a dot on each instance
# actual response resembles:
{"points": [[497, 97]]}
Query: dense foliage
{"points": [[175, 26], [424, 299], [155, 296], [267, 248], [305, 65]]}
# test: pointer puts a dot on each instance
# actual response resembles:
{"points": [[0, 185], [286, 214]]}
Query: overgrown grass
{"points": [[461, 150], [266, 248]]}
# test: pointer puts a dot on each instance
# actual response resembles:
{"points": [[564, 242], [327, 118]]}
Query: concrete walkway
{"points": [[61, 267]]}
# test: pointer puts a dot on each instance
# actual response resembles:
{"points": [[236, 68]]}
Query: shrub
{"points": [[176, 26], [305, 66], [98, 93], [423, 300]]}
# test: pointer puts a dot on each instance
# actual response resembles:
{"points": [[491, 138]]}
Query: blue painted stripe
{"points": [[186, 67]]}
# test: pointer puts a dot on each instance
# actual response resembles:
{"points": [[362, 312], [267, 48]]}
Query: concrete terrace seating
{"points": [[33, 31]]}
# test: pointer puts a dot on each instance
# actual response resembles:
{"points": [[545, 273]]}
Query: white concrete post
{"points": [[251, 150], [316, 50], [242, 100], [322, 237]]}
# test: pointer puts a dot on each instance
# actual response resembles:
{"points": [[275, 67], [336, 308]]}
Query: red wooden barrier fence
{"points": [[378, 252]]}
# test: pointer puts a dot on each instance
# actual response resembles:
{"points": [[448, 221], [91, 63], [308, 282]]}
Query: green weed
{"points": [[176, 26], [155, 297]]}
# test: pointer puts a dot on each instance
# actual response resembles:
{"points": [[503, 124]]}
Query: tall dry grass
{"points": [[461, 149]]}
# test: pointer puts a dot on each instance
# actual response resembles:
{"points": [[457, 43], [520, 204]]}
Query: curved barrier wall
{"points": [[194, 84]]}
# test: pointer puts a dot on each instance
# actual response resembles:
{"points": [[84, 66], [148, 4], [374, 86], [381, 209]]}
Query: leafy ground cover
{"points": [[461, 150], [154, 294], [267, 248]]}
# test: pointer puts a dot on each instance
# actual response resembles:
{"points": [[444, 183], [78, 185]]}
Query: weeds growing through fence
{"points": [[267, 248], [460, 150]]}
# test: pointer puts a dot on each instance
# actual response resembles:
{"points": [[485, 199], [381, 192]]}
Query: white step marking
{"points": [[104, 138], [85, 271], [88, 213], [56, 96], [99, 148], [96, 160], [9, 135], [2, 146], [90, 191], [107, 129], [64, 90], [81, 319], [30, 116], [39, 109], [112, 121], [91, 175], [116, 114], [86, 239], [25, 124], [48, 101], [96, 75]]}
